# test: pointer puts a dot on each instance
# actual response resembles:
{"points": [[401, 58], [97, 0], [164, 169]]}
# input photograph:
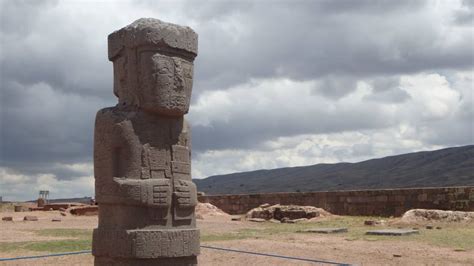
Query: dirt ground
{"points": [[336, 248]]}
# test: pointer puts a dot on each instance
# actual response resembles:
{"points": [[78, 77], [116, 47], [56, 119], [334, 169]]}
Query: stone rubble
{"points": [[422, 215], [286, 213]]}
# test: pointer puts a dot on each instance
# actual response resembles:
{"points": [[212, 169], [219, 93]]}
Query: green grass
{"points": [[69, 233], [459, 237], [48, 246], [78, 239]]}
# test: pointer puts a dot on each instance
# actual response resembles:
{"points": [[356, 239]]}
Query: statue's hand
{"points": [[185, 194], [149, 192]]}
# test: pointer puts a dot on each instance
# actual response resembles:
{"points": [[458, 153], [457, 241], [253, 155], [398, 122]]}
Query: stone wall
{"points": [[385, 202]]}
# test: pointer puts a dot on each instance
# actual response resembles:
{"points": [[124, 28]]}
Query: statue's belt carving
{"points": [[153, 193]]}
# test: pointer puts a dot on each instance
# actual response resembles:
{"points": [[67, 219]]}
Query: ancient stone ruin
{"points": [[285, 213], [142, 150]]}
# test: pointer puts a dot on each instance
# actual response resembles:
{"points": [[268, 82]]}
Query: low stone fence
{"points": [[383, 202]]}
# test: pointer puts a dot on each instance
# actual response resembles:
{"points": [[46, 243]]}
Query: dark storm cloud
{"points": [[41, 124], [387, 89], [17, 25], [54, 79], [250, 131], [335, 87], [325, 38]]}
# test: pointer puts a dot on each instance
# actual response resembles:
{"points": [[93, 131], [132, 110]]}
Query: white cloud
{"points": [[432, 95], [396, 127], [8, 178], [15, 186]]}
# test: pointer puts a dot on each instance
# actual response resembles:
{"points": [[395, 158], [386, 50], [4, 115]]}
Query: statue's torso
{"points": [[147, 170]]}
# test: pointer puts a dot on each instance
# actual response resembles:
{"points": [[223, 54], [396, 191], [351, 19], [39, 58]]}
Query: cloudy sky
{"points": [[277, 83]]}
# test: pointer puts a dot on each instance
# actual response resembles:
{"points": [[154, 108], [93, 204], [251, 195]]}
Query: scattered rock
{"points": [[257, 220], [300, 220], [200, 193], [86, 210], [62, 209], [199, 217], [30, 218], [287, 221], [325, 230], [236, 218], [392, 232], [265, 205], [7, 219], [459, 250], [56, 220], [429, 227], [373, 222], [397, 255], [422, 215], [438, 227], [63, 213], [32, 209]]}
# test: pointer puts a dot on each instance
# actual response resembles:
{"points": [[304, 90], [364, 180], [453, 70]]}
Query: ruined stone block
{"points": [[30, 218], [7, 218]]}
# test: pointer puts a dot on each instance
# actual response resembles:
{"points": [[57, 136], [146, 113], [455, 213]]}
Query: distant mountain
{"points": [[446, 167]]}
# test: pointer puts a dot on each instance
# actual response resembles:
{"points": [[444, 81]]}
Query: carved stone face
{"points": [[165, 83]]}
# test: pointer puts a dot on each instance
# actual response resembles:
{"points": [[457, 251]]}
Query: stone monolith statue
{"points": [[142, 149]]}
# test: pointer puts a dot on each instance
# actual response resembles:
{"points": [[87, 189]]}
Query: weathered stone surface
{"points": [[325, 230], [89, 210], [257, 220], [142, 163], [392, 232], [285, 213], [146, 244], [423, 215], [41, 202], [30, 218], [369, 222], [292, 221], [154, 33]]}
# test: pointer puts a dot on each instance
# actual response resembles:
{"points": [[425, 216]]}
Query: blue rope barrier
{"points": [[276, 256], [208, 247], [48, 255]]}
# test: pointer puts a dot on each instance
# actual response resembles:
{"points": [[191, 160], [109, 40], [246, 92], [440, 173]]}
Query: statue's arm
{"points": [[117, 166]]}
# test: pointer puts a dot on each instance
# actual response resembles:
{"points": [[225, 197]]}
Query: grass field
{"points": [[456, 237], [451, 236]]}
